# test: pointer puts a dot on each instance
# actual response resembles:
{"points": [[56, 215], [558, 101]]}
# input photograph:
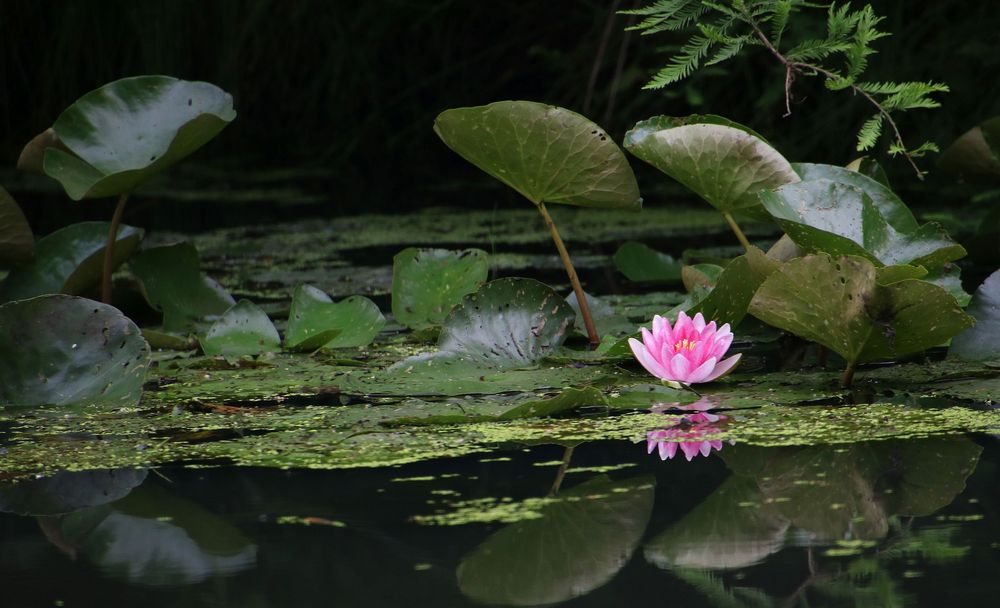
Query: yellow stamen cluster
{"points": [[682, 344]]}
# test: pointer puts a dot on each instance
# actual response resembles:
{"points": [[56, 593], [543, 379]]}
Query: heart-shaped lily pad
{"points": [[643, 264], [244, 329], [723, 162], [981, 342], [890, 206], [124, 132], [548, 154], [69, 260], [838, 303], [65, 350], [580, 542], [172, 283], [315, 321], [976, 154], [428, 283], [17, 244], [841, 219]]}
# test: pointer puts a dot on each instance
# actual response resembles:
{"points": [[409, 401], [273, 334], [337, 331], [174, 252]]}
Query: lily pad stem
{"points": [[109, 249], [736, 229], [581, 298], [561, 474], [848, 377]]}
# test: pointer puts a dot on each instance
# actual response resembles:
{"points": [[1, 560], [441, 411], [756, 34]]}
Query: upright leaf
{"points": [[315, 321], [890, 206], [981, 342], [244, 329], [976, 154], [548, 154], [17, 244], [428, 283]]}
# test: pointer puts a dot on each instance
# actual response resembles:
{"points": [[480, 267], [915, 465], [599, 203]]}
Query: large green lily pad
{"points": [[17, 244], [724, 163], [981, 342], [172, 283], [548, 154], [244, 329], [315, 321], [69, 260], [124, 132], [838, 303], [890, 206], [64, 350], [428, 283], [841, 219], [582, 539]]}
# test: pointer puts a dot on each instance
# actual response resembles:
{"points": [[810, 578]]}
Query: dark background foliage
{"points": [[336, 99]]}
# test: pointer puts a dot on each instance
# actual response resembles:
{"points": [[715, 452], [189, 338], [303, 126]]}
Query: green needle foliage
{"points": [[721, 30]]}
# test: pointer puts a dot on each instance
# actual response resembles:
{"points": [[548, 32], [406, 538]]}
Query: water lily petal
{"points": [[682, 327], [723, 368], [647, 360], [703, 371], [706, 448], [690, 449], [721, 344], [680, 368], [649, 340], [698, 322]]}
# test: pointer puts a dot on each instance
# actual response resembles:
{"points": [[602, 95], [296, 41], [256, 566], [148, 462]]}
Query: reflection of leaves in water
{"points": [[153, 538], [68, 491], [729, 529], [714, 588], [578, 544]]}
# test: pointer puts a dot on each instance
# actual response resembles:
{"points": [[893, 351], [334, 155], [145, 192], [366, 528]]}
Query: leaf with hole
{"points": [[428, 283], [65, 350], [840, 219], [316, 321], [69, 260], [724, 163], [548, 154], [119, 135], [172, 282]]}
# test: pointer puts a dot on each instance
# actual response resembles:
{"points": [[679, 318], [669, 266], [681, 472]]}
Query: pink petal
{"points": [[703, 371], [667, 450], [701, 351], [706, 448], [690, 449], [682, 327], [717, 444], [679, 368], [723, 368], [651, 445], [647, 360], [721, 344], [698, 322], [649, 340]]}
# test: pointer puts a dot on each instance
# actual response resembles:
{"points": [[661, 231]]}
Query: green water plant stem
{"points": [[581, 298], [109, 250], [736, 230]]}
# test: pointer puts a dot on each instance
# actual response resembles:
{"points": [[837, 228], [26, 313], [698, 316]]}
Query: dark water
{"points": [[896, 523]]}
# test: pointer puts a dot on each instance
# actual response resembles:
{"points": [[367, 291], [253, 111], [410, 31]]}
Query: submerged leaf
{"points": [[316, 321], [548, 154], [64, 350], [428, 283], [244, 329]]}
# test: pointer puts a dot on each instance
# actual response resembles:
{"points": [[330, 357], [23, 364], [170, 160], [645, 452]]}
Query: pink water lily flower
{"points": [[689, 434], [686, 353]]}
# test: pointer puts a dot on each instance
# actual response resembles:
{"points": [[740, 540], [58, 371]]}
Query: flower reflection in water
{"points": [[688, 434]]}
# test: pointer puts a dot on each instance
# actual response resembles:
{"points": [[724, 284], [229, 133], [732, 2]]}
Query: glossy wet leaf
{"points": [[64, 350], [949, 278], [724, 163], [17, 243], [890, 206], [976, 154], [548, 154], [838, 303], [841, 219], [69, 260], [244, 329], [579, 543], [173, 283], [869, 167], [316, 321], [121, 134], [643, 264], [730, 297], [68, 491], [982, 341], [428, 283]]}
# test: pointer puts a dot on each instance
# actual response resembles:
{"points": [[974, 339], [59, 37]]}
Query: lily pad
{"points": [[124, 132], [981, 342], [838, 303], [724, 163], [172, 283], [607, 321], [976, 154], [841, 219], [890, 206], [244, 329], [700, 275], [69, 260], [643, 264], [315, 321], [17, 244], [730, 296], [428, 283], [64, 350], [548, 154], [582, 539]]}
